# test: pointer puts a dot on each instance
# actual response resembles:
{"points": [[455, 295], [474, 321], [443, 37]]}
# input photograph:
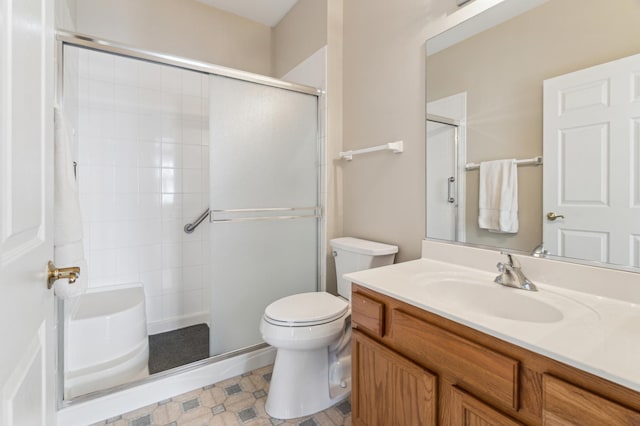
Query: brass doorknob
{"points": [[54, 273], [552, 216]]}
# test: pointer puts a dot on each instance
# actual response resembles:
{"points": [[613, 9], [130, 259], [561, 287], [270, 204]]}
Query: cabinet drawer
{"points": [[367, 314], [474, 367], [566, 404]]}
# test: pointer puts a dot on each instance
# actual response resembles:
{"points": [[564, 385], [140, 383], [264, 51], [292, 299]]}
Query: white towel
{"points": [[498, 196], [67, 239]]}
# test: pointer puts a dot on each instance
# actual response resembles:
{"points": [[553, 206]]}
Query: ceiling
{"points": [[267, 12]]}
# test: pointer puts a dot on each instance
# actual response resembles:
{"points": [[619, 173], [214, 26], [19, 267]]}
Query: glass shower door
{"points": [[263, 199], [442, 181]]}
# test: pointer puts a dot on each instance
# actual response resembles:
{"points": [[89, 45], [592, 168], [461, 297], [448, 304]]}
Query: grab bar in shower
{"points": [[317, 212], [190, 227]]}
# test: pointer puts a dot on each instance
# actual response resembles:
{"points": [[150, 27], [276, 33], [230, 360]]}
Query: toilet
{"points": [[312, 335]]}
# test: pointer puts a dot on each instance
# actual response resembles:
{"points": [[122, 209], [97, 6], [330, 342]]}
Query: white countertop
{"points": [[598, 334]]}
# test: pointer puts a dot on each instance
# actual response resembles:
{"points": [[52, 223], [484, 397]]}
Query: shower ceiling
{"points": [[266, 12]]}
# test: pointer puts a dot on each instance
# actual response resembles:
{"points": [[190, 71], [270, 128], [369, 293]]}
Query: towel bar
{"points": [[535, 161], [396, 147]]}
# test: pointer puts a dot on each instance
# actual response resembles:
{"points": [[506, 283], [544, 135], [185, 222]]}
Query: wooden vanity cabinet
{"points": [[390, 389], [564, 403], [469, 411], [412, 367]]}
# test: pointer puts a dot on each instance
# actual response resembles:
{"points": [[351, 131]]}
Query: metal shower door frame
{"points": [[68, 38]]}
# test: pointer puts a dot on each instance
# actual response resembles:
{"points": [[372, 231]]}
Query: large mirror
{"points": [[556, 88]]}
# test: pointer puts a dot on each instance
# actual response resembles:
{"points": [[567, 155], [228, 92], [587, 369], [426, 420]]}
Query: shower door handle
{"points": [[54, 274], [450, 182], [245, 215]]}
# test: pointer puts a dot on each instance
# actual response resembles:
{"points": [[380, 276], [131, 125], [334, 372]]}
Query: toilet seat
{"points": [[305, 310]]}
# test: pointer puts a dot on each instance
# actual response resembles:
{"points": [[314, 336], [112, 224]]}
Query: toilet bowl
{"points": [[312, 335]]}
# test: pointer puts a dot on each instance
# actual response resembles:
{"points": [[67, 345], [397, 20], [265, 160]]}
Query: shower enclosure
{"points": [[160, 142], [446, 154], [442, 178]]}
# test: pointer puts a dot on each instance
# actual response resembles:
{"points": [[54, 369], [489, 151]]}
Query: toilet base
{"points": [[297, 390]]}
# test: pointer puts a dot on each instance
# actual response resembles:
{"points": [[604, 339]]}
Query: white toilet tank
{"points": [[354, 254]]}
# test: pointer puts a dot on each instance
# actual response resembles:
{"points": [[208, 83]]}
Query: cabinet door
{"points": [[388, 389], [566, 404], [468, 411]]}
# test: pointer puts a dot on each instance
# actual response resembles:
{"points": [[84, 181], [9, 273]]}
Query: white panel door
{"points": [[591, 150], [27, 392]]}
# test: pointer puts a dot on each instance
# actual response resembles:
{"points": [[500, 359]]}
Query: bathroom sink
{"points": [[470, 293], [492, 300]]}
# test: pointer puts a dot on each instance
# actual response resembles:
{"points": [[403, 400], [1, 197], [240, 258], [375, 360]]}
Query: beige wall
{"points": [[298, 35], [66, 14], [502, 71], [384, 101], [185, 28], [334, 208]]}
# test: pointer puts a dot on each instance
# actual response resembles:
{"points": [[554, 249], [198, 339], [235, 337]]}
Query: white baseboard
{"points": [[154, 390], [178, 322]]}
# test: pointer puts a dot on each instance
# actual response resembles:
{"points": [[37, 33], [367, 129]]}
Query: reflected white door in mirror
{"points": [[591, 144]]}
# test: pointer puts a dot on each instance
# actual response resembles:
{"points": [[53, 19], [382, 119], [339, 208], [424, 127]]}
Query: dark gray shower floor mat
{"points": [[178, 347]]}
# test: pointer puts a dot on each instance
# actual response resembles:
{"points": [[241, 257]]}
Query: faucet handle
{"points": [[513, 262], [511, 275]]}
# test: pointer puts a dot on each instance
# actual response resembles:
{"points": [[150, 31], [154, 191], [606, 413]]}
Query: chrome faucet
{"points": [[539, 251], [511, 275]]}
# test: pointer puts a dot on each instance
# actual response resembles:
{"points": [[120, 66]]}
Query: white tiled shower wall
{"points": [[143, 174]]}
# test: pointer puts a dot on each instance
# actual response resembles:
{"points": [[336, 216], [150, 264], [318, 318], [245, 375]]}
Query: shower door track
{"points": [[90, 42], [161, 375]]}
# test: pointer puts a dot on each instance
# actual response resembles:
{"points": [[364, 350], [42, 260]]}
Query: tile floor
{"points": [[236, 401]]}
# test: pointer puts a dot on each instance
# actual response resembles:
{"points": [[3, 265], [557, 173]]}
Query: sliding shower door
{"points": [[442, 181], [263, 199]]}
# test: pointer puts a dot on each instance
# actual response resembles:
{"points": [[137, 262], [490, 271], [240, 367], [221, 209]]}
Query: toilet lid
{"points": [[306, 309]]}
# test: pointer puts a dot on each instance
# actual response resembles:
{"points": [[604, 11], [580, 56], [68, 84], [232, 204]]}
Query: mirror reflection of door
{"points": [[591, 175]]}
